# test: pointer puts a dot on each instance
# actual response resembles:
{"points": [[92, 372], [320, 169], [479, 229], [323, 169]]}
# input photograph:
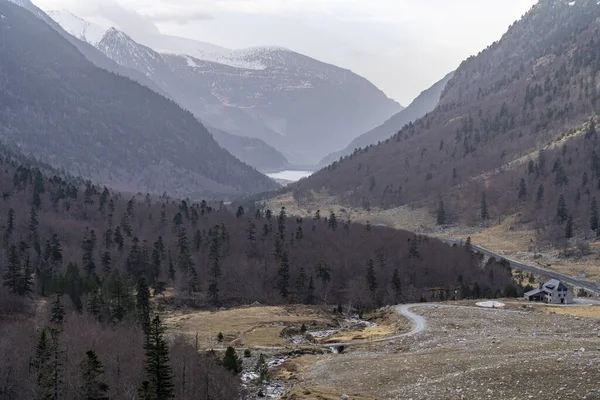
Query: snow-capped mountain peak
{"points": [[78, 27]]}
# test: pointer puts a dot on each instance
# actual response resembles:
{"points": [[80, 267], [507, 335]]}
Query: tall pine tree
{"points": [[93, 386], [158, 371]]}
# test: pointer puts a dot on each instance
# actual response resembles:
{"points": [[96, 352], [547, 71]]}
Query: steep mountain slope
{"points": [[302, 107], [89, 51], [423, 104], [252, 151], [71, 114], [537, 88]]}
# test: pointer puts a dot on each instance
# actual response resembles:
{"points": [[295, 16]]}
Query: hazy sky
{"points": [[403, 46]]}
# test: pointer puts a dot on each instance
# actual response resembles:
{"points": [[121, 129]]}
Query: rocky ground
{"points": [[466, 353]]}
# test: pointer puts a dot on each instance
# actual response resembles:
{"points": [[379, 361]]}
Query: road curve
{"points": [[418, 325], [591, 287]]}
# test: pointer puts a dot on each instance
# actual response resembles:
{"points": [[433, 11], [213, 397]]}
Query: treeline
{"points": [[92, 244]]}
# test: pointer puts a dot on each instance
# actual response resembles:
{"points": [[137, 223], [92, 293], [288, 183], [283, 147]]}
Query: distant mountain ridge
{"points": [[423, 104], [73, 115], [302, 107], [251, 151]]}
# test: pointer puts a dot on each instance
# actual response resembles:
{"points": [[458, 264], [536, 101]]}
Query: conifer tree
{"points": [[142, 303], [93, 386], [281, 223], [251, 232], [485, 215], [561, 210], [522, 190], [371, 278], [58, 311], [88, 245], [310, 293], [262, 370], [396, 284], [13, 275], [214, 270], [283, 283], [231, 361], [332, 222], [119, 297], [441, 214], [561, 178], [300, 286], [10, 227], [44, 368], [594, 215], [26, 284], [119, 239], [240, 212], [540, 194], [106, 262], [158, 371], [197, 240], [569, 228], [94, 303], [278, 250], [299, 233]]}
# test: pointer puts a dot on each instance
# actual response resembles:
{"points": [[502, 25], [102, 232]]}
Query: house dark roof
{"points": [[534, 292], [553, 285]]}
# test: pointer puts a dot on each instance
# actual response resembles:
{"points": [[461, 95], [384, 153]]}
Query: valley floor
{"points": [[466, 353]]}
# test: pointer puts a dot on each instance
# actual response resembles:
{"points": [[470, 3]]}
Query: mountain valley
{"points": [[288, 100], [449, 251]]}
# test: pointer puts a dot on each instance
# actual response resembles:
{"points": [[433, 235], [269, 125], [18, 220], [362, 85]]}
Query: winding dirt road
{"points": [[419, 324]]}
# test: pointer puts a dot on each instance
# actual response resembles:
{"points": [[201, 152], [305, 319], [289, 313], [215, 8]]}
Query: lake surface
{"points": [[293, 176]]}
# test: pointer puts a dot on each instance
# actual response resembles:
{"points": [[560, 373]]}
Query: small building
{"points": [[551, 292]]}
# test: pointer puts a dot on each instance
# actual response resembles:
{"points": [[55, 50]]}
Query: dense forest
{"points": [[535, 89], [82, 267]]}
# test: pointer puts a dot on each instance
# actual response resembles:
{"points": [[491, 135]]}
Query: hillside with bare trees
{"points": [[514, 132]]}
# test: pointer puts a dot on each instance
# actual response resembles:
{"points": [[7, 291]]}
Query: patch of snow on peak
{"points": [[2, 16], [22, 3], [191, 62], [78, 27]]}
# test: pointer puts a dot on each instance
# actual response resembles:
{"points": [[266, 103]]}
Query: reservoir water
{"points": [[290, 175]]}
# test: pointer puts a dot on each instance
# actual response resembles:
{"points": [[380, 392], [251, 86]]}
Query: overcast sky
{"points": [[402, 46]]}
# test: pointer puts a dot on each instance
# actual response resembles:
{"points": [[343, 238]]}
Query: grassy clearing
{"points": [[244, 327]]}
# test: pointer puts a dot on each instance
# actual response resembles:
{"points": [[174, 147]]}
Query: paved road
{"points": [[591, 287]]}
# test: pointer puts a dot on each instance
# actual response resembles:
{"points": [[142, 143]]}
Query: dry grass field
{"points": [[247, 326]]}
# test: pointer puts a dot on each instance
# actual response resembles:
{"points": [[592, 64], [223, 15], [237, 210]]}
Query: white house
{"points": [[552, 292]]}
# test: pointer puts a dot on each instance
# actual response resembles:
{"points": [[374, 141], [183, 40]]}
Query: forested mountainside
{"points": [[252, 151], [62, 109], [423, 104], [288, 100], [479, 150], [87, 258]]}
